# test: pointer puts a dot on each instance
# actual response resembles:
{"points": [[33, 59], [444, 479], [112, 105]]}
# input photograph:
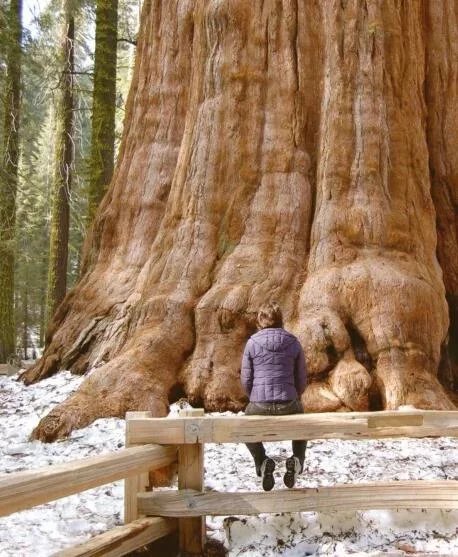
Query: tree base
{"points": [[234, 187]]}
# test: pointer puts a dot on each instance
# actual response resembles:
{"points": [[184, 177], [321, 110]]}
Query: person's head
{"points": [[270, 315]]}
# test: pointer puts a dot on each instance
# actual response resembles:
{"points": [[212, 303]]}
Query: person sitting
{"points": [[273, 375]]}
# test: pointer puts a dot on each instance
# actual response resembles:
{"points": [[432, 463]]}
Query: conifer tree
{"points": [[64, 155], [104, 102], [8, 178]]}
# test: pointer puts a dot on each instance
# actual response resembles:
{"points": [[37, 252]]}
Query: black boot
{"points": [[267, 472], [294, 467]]}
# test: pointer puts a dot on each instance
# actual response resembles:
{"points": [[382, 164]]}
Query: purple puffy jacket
{"points": [[273, 366]]}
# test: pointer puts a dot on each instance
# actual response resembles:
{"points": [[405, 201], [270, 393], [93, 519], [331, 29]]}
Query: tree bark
{"points": [[8, 180], [271, 150], [25, 319], [441, 94], [104, 103], [64, 155], [42, 300]]}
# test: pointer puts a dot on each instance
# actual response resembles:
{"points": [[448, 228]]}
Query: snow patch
{"points": [[43, 530]]}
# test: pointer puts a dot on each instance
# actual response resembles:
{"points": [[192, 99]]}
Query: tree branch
{"points": [[125, 40]]}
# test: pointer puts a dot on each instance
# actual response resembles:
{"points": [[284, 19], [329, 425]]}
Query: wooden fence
{"points": [[153, 443]]}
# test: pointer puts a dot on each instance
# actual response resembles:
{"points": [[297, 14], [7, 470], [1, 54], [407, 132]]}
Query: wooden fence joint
{"points": [[191, 476]]}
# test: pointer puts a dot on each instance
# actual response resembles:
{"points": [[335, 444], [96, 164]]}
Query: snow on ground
{"points": [[43, 530]]}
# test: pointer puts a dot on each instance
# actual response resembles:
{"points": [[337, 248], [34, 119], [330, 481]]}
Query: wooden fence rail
{"points": [[123, 539], [381, 495], [246, 429], [23, 490], [153, 443], [194, 431]]}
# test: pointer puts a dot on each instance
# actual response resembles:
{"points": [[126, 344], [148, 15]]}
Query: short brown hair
{"points": [[270, 315]]}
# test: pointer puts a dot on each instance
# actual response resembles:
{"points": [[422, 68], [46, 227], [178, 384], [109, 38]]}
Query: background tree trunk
{"points": [[25, 318], [64, 153], [8, 180], [271, 150], [104, 103], [42, 298]]}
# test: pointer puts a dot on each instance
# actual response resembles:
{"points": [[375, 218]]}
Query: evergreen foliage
{"points": [[38, 139], [9, 157]]}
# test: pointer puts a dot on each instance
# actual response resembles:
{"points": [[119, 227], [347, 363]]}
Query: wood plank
{"points": [[134, 484], [22, 490], [123, 539], [345, 425], [191, 476], [349, 425], [400, 420], [166, 430], [381, 495]]}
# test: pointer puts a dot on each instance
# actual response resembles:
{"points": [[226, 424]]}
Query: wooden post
{"points": [[134, 484], [191, 476]]}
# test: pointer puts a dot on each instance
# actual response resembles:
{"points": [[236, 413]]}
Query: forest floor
{"points": [[41, 531]]}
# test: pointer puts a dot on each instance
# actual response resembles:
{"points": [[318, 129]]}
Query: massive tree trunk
{"points": [[271, 150], [9, 157]]}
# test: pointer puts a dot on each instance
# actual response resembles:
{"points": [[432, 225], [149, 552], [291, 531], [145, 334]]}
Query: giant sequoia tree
{"points": [[302, 151]]}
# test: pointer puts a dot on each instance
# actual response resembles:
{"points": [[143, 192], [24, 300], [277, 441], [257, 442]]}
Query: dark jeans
{"points": [[274, 409]]}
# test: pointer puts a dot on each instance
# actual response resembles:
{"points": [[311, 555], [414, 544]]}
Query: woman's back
{"points": [[274, 377], [273, 367]]}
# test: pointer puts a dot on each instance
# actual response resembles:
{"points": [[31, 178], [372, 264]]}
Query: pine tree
{"points": [[104, 102], [64, 156], [41, 81], [8, 179]]}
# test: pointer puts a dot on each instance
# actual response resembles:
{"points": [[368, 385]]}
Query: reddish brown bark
{"points": [[271, 150], [441, 89]]}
